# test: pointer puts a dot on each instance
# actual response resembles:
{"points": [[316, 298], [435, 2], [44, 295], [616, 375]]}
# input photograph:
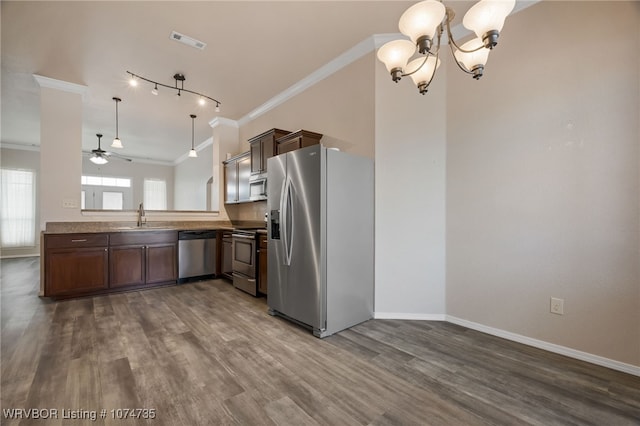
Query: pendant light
{"points": [[192, 153], [117, 143]]}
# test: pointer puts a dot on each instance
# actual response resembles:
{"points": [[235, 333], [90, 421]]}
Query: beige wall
{"points": [[542, 180]]}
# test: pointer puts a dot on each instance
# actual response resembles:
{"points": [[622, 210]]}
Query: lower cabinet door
{"points": [[127, 266], [76, 271], [161, 263]]}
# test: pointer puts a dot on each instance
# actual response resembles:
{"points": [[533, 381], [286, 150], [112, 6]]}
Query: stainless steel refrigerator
{"points": [[320, 238]]}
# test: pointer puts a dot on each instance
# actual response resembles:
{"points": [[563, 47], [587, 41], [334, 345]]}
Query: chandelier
{"points": [[424, 24], [202, 99]]}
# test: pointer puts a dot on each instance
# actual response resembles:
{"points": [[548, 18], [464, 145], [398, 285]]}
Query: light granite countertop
{"points": [[96, 227]]}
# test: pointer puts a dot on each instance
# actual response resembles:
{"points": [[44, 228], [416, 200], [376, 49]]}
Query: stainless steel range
{"points": [[245, 260]]}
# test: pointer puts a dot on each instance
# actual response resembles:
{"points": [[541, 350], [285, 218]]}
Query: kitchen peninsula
{"points": [[87, 258]]}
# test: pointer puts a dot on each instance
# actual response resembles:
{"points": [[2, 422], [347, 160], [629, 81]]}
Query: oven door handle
{"points": [[249, 237]]}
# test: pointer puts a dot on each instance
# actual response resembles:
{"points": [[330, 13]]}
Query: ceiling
{"points": [[255, 50]]}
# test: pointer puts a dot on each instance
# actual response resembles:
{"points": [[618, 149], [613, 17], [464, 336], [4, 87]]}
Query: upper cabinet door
{"points": [[263, 147]]}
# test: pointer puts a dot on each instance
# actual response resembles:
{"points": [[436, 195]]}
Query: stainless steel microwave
{"points": [[258, 188]]}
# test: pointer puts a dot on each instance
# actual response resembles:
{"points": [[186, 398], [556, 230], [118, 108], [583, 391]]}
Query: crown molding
{"points": [[333, 66], [65, 86], [222, 121]]}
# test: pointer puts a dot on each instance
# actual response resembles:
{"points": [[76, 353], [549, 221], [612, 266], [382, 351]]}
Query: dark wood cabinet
{"points": [[263, 147], [262, 264], [237, 171], [126, 266], [143, 258], [83, 264], [297, 140], [75, 264]]}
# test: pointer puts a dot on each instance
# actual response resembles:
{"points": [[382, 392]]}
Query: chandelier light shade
{"points": [[424, 22], [395, 55], [473, 55], [421, 21], [192, 153], [486, 19], [117, 143], [178, 86], [424, 72]]}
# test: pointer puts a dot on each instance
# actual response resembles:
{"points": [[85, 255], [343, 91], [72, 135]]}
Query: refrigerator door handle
{"points": [[283, 217], [290, 211]]}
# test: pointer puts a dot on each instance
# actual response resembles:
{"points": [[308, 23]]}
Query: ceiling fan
{"points": [[100, 156]]}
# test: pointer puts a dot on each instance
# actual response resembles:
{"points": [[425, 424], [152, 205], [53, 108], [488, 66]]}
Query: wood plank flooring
{"points": [[207, 354]]}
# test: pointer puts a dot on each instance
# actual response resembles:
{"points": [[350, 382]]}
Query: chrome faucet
{"points": [[141, 214]]}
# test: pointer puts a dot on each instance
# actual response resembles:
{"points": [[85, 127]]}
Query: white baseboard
{"points": [[551, 347], [412, 317], [540, 344]]}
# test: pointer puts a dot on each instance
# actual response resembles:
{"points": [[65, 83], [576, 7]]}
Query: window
{"points": [[155, 194], [18, 211], [112, 200], [106, 181]]}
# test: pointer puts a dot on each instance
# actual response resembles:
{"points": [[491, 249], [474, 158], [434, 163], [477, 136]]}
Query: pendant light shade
{"points": [[486, 19], [117, 143], [192, 153]]}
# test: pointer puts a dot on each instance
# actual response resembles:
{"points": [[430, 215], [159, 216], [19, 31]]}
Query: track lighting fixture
{"points": [[177, 78], [424, 24], [117, 143], [193, 152]]}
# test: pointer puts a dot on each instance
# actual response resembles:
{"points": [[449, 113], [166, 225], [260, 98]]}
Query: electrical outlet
{"points": [[557, 306]]}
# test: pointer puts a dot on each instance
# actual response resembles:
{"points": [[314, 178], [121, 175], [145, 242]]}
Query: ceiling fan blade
{"points": [[116, 155]]}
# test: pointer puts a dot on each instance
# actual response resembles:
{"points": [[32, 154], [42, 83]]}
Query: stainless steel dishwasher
{"points": [[196, 255]]}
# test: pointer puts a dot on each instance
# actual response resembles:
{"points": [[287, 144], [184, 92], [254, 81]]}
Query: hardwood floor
{"points": [[207, 354]]}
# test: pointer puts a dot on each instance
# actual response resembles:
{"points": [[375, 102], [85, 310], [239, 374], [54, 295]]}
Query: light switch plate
{"points": [[68, 203]]}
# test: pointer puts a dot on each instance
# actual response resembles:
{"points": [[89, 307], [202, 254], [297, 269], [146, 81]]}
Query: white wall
{"points": [[190, 178], [137, 172], [543, 183], [410, 142], [60, 135], [25, 160]]}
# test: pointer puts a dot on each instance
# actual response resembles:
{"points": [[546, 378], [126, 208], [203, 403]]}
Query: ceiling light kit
{"points": [[425, 21], [192, 153], [133, 81], [117, 143], [99, 155]]}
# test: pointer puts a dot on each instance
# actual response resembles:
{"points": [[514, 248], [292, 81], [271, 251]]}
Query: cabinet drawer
{"points": [[76, 240], [143, 237]]}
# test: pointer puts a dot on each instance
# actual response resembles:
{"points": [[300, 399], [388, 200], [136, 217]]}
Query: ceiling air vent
{"points": [[187, 40]]}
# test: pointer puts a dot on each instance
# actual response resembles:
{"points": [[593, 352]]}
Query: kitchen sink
{"points": [[139, 228]]}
